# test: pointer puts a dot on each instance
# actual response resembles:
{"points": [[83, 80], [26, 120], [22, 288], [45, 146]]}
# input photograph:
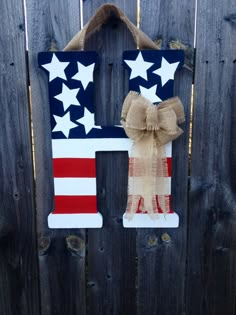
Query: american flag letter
{"points": [[76, 138]]}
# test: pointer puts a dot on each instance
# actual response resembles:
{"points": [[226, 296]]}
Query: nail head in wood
{"points": [[44, 245], [166, 238], [75, 245]]}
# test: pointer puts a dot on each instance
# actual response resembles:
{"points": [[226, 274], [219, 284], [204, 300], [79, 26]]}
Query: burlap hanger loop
{"points": [[100, 17]]}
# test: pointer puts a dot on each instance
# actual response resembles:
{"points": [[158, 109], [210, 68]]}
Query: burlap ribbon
{"points": [[100, 17], [151, 127]]}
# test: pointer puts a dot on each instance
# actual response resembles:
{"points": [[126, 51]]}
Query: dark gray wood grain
{"points": [[168, 20], [111, 250], [51, 24], [162, 252], [19, 288], [212, 226]]}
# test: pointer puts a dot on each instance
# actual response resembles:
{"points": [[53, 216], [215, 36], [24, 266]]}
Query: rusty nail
{"points": [[44, 245], [152, 241], [166, 238], [75, 245]]}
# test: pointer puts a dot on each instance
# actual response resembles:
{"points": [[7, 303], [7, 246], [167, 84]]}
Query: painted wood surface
{"points": [[51, 24], [111, 250], [18, 261], [211, 284], [162, 253]]}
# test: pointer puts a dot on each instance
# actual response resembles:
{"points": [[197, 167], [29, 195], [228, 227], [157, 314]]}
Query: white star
{"points": [[88, 121], [64, 124], [84, 74], [150, 93], [68, 97], [166, 71], [138, 67], [56, 68]]}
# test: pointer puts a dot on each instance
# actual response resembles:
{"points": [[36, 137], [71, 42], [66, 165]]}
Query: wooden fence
{"points": [[190, 270]]}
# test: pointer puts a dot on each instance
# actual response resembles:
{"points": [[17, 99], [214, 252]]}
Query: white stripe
{"points": [[75, 220], [86, 148], [136, 186], [75, 186], [87, 186], [141, 220], [168, 149]]}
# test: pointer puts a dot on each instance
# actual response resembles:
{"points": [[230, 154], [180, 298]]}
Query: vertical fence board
{"points": [[51, 24], [212, 227], [111, 250], [19, 289], [162, 252]]}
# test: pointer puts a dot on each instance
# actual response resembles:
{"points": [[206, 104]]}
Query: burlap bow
{"points": [[151, 127]]}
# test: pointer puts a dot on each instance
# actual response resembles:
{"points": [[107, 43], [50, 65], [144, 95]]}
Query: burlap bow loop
{"points": [[151, 127], [140, 117]]}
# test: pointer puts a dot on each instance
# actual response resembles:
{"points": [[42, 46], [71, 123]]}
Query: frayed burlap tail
{"points": [[151, 127]]}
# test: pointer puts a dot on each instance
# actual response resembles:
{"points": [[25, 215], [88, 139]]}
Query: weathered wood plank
{"points": [[51, 24], [111, 250], [19, 293], [162, 253], [212, 226]]}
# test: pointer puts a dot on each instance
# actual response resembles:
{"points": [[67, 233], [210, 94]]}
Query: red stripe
{"points": [[75, 204], [74, 167], [169, 164], [136, 173], [158, 207]]}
